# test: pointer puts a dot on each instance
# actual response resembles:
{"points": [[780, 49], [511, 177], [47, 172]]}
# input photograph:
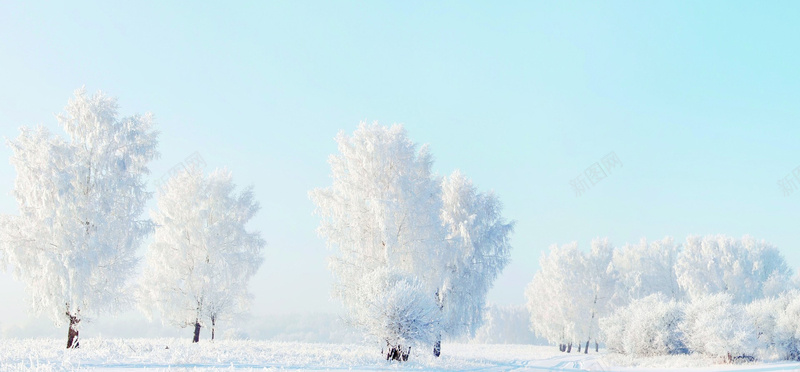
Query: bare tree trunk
{"points": [[562, 347], [397, 353], [596, 347], [72, 334], [586, 350], [437, 347], [579, 347], [569, 347], [213, 326], [196, 331]]}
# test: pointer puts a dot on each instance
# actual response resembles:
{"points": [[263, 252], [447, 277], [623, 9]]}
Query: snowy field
{"points": [[175, 354]]}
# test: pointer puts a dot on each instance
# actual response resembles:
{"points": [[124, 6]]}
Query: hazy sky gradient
{"points": [[699, 100]]}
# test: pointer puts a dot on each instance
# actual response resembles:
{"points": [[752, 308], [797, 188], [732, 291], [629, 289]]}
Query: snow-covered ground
{"points": [[161, 354]]}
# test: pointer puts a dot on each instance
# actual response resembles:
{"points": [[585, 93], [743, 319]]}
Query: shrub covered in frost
{"points": [[646, 327], [713, 325]]}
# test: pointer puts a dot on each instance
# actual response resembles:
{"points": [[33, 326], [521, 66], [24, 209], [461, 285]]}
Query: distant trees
{"points": [[198, 267], [648, 268], [571, 292], [723, 297], [416, 253], [744, 268], [74, 240]]}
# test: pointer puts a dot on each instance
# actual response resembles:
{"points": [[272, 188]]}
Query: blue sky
{"points": [[699, 100]]}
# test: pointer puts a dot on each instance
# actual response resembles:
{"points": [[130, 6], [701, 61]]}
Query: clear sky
{"points": [[699, 101]]}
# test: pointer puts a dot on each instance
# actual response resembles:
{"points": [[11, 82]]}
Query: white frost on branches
{"points": [[478, 239], [744, 268], [389, 216], [74, 241], [202, 258]]}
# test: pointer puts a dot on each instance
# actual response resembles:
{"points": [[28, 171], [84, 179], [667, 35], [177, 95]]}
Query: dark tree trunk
{"points": [[437, 347], [562, 347], [213, 326], [569, 347], [72, 335], [196, 332], [596, 347], [586, 350], [579, 347], [397, 353]]}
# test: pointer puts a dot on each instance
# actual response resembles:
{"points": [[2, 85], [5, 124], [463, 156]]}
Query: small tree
{"points": [[74, 240], [202, 258]]}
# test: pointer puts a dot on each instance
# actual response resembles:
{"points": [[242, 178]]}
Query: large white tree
{"points": [[199, 265], [74, 240], [396, 230], [745, 268]]}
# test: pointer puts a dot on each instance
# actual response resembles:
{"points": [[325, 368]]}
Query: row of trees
{"points": [[75, 239], [709, 295], [417, 252]]}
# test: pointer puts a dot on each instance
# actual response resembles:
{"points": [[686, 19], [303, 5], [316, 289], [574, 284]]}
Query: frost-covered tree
{"points": [[646, 327], [571, 292], [389, 216], [745, 268], [645, 269], [382, 215], [80, 200], [716, 326], [599, 282], [554, 295], [477, 249], [202, 257]]}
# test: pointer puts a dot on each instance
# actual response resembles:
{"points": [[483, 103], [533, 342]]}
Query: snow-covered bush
{"points": [[763, 314], [713, 325], [400, 312], [646, 327], [786, 336]]}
